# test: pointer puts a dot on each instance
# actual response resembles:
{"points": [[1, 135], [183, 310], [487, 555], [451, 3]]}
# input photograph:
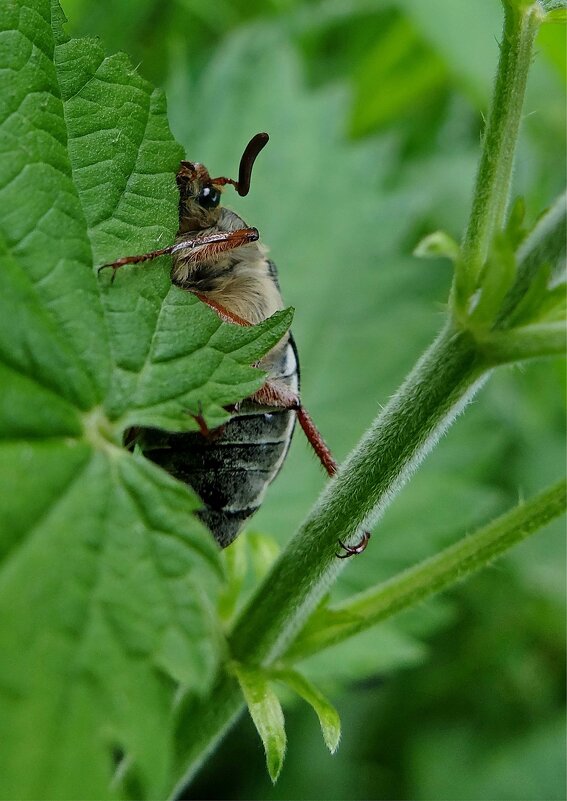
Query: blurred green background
{"points": [[375, 110]]}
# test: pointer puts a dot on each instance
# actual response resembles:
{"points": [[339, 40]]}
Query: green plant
{"points": [[115, 587]]}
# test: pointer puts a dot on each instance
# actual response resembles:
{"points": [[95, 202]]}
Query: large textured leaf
{"points": [[108, 581]]}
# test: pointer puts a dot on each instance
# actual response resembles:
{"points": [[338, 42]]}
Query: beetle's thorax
{"points": [[240, 280]]}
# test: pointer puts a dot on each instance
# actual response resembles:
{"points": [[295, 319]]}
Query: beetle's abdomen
{"points": [[232, 467], [230, 470]]}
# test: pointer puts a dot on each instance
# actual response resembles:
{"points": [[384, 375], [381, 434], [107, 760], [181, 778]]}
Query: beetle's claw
{"points": [[113, 265], [354, 550]]}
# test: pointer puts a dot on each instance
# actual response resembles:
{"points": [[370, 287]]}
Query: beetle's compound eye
{"points": [[209, 197]]}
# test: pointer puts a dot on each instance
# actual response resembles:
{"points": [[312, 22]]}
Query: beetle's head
{"points": [[199, 198], [199, 194]]}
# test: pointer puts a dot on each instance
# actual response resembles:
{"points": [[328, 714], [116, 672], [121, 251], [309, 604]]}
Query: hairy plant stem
{"points": [[403, 433], [433, 575], [436, 390], [494, 175]]}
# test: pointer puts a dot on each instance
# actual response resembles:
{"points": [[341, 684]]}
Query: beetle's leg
{"points": [[116, 265], [200, 420], [353, 550], [278, 395], [204, 430], [225, 315], [193, 249], [327, 460], [208, 247]]}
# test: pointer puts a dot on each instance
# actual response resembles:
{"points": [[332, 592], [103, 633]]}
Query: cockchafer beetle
{"points": [[217, 257]]}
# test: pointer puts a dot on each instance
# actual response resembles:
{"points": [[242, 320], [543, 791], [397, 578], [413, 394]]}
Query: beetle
{"points": [[221, 260]]}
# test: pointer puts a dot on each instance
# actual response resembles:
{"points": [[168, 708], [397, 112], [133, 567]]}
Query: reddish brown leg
{"points": [[199, 248], [210, 246], [272, 394], [225, 315], [200, 420], [202, 423], [280, 396]]}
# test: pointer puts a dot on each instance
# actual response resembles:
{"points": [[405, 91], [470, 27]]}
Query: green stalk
{"points": [[433, 575], [434, 393], [403, 433], [492, 187]]}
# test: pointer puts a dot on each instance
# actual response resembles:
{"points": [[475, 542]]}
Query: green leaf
{"points": [[437, 245], [556, 15], [402, 59], [462, 38], [541, 266], [528, 308], [95, 615], [108, 582], [172, 355], [496, 279], [516, 231], [263, 553], [325, 711], [47, 272], [266, 712], [183, 374], [235, 561]]}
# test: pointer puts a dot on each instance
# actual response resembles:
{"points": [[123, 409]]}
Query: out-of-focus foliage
{"points": [[375, 113]]}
